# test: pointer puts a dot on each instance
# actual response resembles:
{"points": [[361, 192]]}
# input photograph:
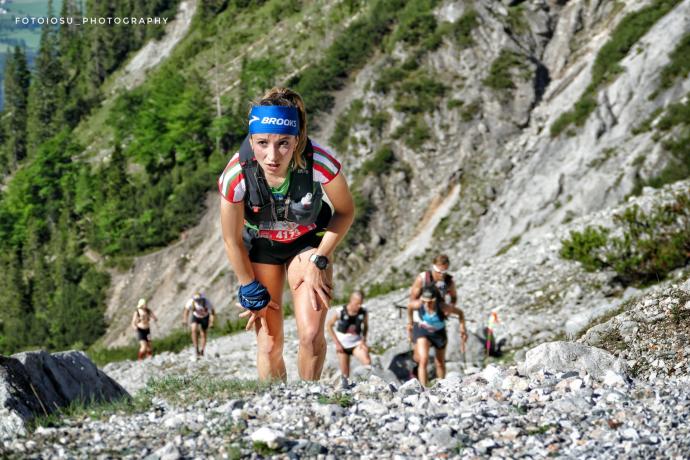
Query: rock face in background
{"points": [[39, 383], [489, 177]]}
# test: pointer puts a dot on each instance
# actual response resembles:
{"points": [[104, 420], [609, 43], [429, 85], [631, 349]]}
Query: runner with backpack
{"points": [[433, 297], [348, 329], [277, 225], [203, 316]]}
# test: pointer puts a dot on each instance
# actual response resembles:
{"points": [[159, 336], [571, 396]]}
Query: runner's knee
{"points": [[312, 339], [270, 348]]}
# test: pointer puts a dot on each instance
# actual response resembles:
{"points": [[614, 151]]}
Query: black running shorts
{"points": [[144, 334], [203, 322], [265, 251], [438, 339]]}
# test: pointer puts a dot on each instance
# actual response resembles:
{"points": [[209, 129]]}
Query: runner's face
{"points": [[440, 270], [355, 302], [274, 152]]}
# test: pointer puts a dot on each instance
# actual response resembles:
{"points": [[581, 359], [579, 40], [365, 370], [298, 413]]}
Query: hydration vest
{"points": [[440, 286], [200, 304], [261, 206], [346, 321]]}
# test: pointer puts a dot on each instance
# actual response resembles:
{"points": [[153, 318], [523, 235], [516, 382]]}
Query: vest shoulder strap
{"points": [[257, 188], [302, 181]]}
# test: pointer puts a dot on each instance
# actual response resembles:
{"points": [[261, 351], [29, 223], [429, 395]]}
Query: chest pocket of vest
{"points": [[305, 215]]}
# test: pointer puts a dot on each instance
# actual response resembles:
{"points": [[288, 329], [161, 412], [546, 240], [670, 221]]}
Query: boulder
{"points": [[570, 356], [38, 383]]}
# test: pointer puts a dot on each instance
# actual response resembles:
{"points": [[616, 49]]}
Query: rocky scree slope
{"points": [[565, 398]]}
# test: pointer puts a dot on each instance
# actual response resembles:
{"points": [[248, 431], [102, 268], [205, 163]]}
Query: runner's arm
{"points": [[461, 318], [331, 332], [232, 224], [340, 197], [415, 293], [365, 327], [185, 316], [453, 293]]}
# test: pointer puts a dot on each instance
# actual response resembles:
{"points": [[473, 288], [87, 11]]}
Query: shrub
{"points": [[585, 247], [500, 74], [415, 21], [463, 27], [419, 93], [381, 162], [650, 246]]}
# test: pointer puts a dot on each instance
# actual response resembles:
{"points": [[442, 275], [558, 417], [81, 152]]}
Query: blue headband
{"points": [[274, 119]]}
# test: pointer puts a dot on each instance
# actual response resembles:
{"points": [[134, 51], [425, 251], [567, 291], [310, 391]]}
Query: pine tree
{"points": [[17, 79], [71, 51], [45, 92], [15, 317]]}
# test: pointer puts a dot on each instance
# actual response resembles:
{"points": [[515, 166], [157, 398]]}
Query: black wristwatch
{"points": [[321, 262]]}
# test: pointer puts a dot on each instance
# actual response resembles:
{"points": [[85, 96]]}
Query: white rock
{"points": [[570, 356], [613, 379], [514, 382], [411, 387], [272, 438]]}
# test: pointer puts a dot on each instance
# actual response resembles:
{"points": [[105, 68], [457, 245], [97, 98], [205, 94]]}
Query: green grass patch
{"points": [[470, 111], [606, 65], [420, 92], [341, 133], [377, 289], [505, 248], [679, 67], [463, 27], [379, 120], [646, 125], [91, 409], [188, 389], [675, 126], [414, 132], [381, 163], [602, 158], [543, 429], [341, 399]]}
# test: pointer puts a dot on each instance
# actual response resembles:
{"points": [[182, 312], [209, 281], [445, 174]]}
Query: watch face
{"points": [[320, 261]]}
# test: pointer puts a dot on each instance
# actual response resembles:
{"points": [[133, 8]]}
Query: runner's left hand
{"points": [[318, 286]]}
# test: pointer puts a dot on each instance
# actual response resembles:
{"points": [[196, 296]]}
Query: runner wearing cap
{"points": [[430, 331]]}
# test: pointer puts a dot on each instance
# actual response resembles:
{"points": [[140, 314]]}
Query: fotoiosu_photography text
{"points": [[86, 20]]}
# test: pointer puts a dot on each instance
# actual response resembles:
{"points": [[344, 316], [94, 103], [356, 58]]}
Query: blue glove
{"points": [[254, 296]]}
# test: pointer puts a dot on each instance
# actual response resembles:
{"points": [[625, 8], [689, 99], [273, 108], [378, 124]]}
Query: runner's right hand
{"points": [[253, 315]]}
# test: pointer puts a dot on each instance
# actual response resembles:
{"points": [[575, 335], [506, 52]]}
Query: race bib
{"points": [[283, 231]]}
